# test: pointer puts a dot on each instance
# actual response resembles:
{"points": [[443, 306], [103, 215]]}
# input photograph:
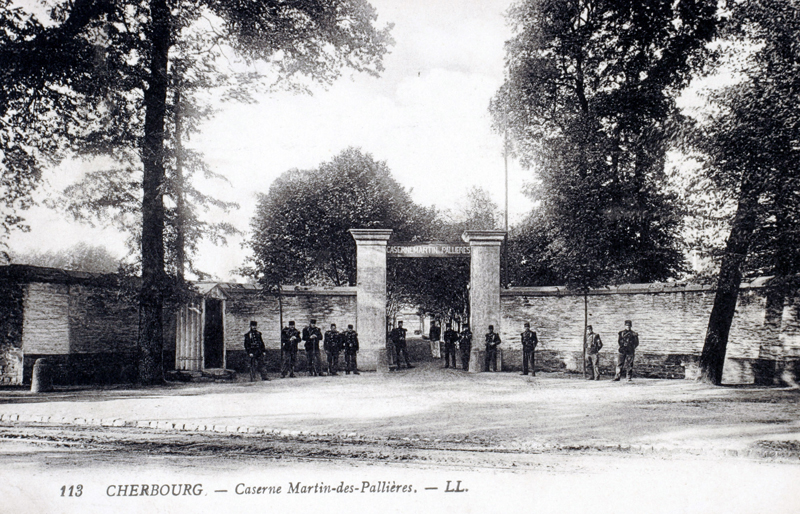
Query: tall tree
{"points": [[750, 140], [301, 227], [122, 47], [590, 88]]}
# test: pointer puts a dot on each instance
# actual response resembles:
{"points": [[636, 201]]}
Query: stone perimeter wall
{"points": [[334, 305], [671, 321]]}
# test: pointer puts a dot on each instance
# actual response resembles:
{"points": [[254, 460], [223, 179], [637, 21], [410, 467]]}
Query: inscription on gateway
{"points": [[428, 250]]}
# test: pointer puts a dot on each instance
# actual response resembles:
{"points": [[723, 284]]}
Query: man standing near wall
{"points": [[289, 339], [332, 348], [492, 342], [350, 338], [628, 341], [398, 337], [312, 335], [529, 343], [450, 339], [254, 346], [436, 331], [592, 344], [465, 346]]}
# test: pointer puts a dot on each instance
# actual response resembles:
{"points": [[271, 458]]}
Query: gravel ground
{"points": [[554, 442]]}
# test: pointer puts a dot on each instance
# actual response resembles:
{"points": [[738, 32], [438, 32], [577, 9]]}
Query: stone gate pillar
{"points": [[484, 289], [371, 294]]}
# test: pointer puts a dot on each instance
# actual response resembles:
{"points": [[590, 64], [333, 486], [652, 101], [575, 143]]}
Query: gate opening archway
{"points": [[484, 293]]}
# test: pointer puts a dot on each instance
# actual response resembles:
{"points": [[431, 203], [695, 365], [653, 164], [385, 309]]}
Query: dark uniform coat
{"points": [[254, 344], [290, 337], [312, 336]]}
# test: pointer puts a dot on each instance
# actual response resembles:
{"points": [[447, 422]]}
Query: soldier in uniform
{"points": [[593, 344], [435, 332], [492, 342], [350, 340], [332, 346], [312, 336], [398, 337], [254, 346], [529, 343], [465, 346], [290, 336], [628, 341], [450, 339]]}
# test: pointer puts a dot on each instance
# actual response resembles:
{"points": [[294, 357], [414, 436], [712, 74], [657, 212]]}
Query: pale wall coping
{"points": [[652, 288], [233, 287]]}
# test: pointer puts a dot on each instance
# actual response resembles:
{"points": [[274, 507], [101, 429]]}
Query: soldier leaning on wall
{"points": [[593, 345]]}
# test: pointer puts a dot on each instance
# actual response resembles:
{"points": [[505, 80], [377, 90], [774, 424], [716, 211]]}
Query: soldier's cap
{"points": [[291, 323], [588, 327], [527, 324], [399, 322], [628, 322], [333, 325], [349, 326], [313, 321], [491, 327], [253, 323]]}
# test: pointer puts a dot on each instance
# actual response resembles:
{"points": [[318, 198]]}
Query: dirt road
{"points": [[554, 442]]}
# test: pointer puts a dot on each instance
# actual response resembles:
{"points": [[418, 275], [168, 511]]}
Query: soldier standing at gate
{"points": [[350, 339], [398, 337], [450, 339], [332, 346], [529, 343], [593, 344], [628, 341], [290, 337], [312, 336], [492, 342], [254, 346], [465, 346]]}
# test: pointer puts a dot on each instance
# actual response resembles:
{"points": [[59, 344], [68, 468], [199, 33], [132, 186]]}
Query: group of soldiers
{"points": [[628, 341], [464, 340], [333, 342]]}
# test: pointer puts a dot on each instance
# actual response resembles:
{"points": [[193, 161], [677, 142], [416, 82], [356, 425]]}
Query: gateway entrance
{"points": [[483, 247]]}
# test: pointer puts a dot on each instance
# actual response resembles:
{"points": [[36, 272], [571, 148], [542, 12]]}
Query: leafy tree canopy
{"points": [[588, 99], [301, 227]]}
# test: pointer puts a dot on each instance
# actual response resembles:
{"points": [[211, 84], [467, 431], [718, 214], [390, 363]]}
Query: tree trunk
{"points": [[585, 324], [712, 359], [151, 298], [180, 204]]}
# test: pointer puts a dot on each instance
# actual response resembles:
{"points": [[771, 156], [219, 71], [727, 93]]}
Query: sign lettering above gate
{"points": [[427, 250]]}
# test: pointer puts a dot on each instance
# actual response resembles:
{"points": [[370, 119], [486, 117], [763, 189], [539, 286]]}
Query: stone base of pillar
{"points": [[477, 361], [370, 360], [382, 363], [436, 349]]}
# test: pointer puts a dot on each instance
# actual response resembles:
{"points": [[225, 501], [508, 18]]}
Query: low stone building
{"points": [[85, 324]]}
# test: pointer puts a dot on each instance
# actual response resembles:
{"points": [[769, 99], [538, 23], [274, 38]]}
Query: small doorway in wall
{"points": [[213, 340]]}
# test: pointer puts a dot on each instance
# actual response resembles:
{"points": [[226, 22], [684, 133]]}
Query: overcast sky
{"points": [[426, 116]]}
